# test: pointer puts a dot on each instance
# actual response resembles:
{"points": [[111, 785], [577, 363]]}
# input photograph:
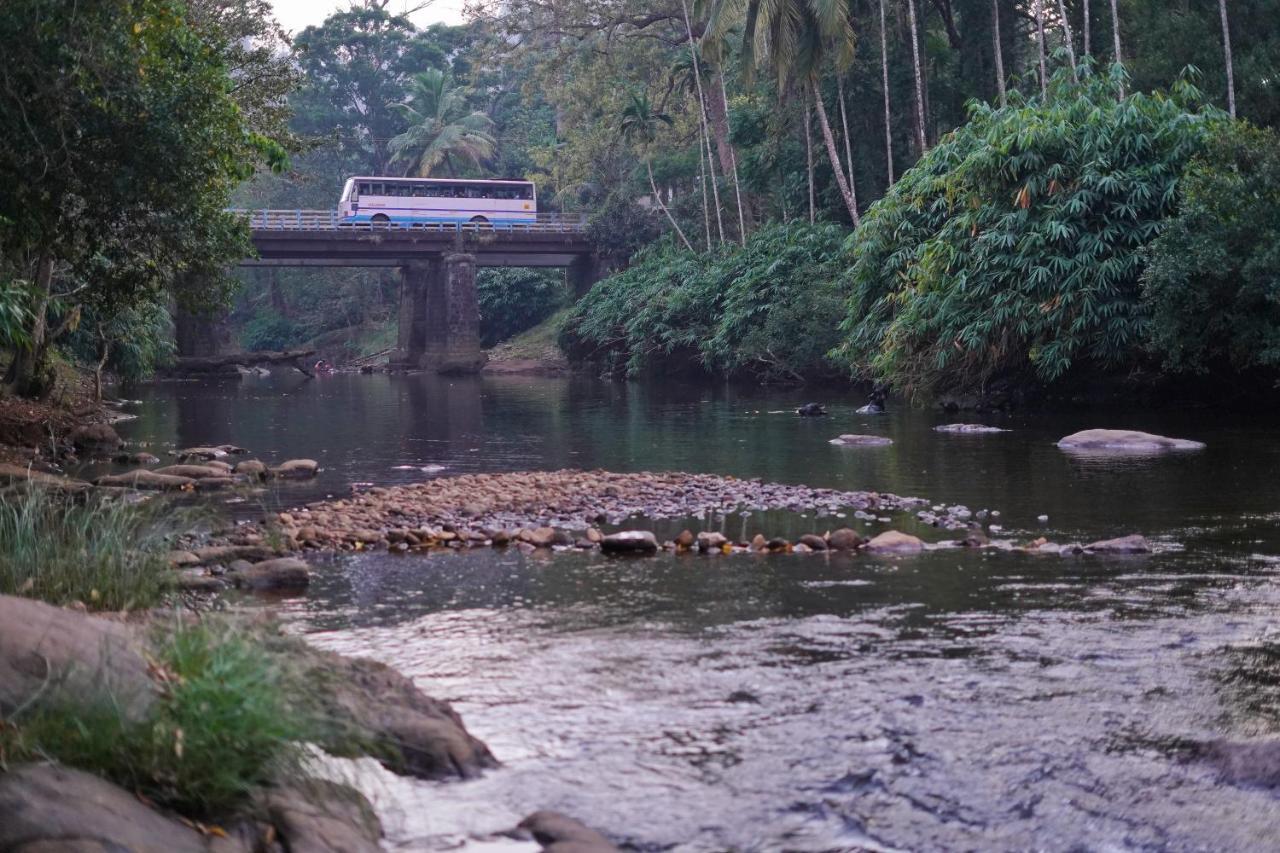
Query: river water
{"points": [[954, 700]]}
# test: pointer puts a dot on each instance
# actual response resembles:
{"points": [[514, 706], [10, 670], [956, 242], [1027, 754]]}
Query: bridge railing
{"points": [[263, 219]]}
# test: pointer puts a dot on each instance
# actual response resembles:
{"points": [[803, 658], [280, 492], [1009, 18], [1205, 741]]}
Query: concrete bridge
{"points": [[439, 321]]}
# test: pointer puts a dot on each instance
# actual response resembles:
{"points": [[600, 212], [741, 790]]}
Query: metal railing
{"points": [[328, 220]]}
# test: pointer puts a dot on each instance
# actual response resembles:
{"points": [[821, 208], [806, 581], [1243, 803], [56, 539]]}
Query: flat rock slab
{"points": [[861, 441], [629, 542], [142, 479], [968, 429], [895, 542], [22, 475], [1125, 441], [195, 472], [1131, 544]]}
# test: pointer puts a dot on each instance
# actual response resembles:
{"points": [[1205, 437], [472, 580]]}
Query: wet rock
{"points": [[231, 449], [253, 469], [895, 542], [319, 816], [229, 553], [1246, 762], [1120, 440], [1131, 544], [198, 580], [194, 472], [968, 429], [801, 548], [817, 543], [777, 545], [50, 808], [541, 537], [181, 559], [629, 542], [861, 441], [811, 410], [711, 541], [135, 459], [143, 479], [558, 833], [296, 469], [844, 539], [47, 649], [758, 542], [22, 475], [284, 573], [685, 540], [199, 453], [594, 535], [95, 439]]}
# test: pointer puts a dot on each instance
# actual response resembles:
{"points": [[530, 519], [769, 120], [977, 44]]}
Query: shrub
{"points": [[767, 309], [1013, 248], [513, 300], [269, 331], [1212, 286]]}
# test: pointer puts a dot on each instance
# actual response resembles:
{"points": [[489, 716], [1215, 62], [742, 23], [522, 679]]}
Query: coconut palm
{"points": [[442, 127], [639, 125]]}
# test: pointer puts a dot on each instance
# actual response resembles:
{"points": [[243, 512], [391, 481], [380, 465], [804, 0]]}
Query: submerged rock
{"points": [[139, 458], [814, 542], [895, 542], [1131, 544], [143, 479], [194, 472], [558, 833], [861, 441], [22, 475], [253, 469], [811, 410], [968, 429], [203, 453], [296, 469], [711, 541], [629, 542], [1122, 440], [844, 539], [95, 439], [284, 573]]}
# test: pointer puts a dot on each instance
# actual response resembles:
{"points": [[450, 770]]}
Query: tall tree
{"points": [[639, 125], [1067, 39], [702, 115], [1115, 34], [1088, 29], [1226, 49], [442, 128], [888, 114], [1040, 48], [848, 143], [919, 77], [999, 51]]}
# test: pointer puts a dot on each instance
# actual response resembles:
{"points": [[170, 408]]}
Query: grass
{"points": [[538, 343], [221, 729], [102, 551]]}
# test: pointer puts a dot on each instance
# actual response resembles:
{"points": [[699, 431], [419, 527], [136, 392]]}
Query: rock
{"points": [[594, 535], [143, 479], [196, 580], [895, 542], [629, 542], [801, 548], [50, 808], [685, 540], [231, 449], [181, 559], [541, 537], [412, 733], [811, 410], [817, 543], [135, 459], [319, 816], [253, 469], [194, 472], [861, 441], [284, 573], [95, 439], [844, 539], [296, 469], [968, 429], [1120, 440], [228, 553], [711, 541], [777, 545], [23, 475], [45, 649], [1245, 762], [1131, 544], [758, 542], [190, 453], [558, 833]]}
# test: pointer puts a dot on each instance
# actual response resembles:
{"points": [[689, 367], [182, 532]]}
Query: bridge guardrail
{"points": [[328, 220]]}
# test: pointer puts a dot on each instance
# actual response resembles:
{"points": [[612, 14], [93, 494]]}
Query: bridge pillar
{"points": [[200, 335], [439, 316], [584, 271]]}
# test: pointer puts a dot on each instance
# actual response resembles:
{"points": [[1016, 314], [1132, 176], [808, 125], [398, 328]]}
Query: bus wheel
{"points": [[480, 222], [381, 219]]}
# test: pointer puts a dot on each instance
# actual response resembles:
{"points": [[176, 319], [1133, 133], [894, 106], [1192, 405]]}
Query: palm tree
{"points": [[1226, 47], [639, 125], [442, 128], [888, 115], [915, 63]]}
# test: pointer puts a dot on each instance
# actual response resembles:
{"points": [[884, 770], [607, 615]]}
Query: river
{"points": [[954, 700]]}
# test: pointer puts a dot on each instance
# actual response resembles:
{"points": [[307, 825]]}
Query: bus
{"points": [[409, 201]]}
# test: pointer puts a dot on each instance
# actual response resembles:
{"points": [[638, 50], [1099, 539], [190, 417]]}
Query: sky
{"points": [[294, 15]]}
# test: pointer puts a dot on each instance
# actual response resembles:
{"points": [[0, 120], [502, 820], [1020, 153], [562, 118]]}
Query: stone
{"points": [[861, 441], [231, 449], [594, 534], [190, 453], [811, 410], [229, 553], [135, 459], [181, 559], [685, 540], [816, 543], [777, 545], [1131, 544], [844, 539], [630, 542], [209, 484], [758, 542], [319, 816], [1125, 441], [558, 833], [711, 541], [968, 429], [197, 580], [542, 537], [51, 808], [253, 469], [801, 548], [296, 469], [283, 573], [895, 542], [51, 650], [150, 480], [95, 439], [23, 475], [194, 472]]}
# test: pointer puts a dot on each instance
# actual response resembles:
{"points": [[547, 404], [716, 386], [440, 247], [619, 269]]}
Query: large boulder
{"points": [[285, 573], [318, 816], [844, 539], [47, 650], [98, 439], [143, 479], [895, 542], [629, 542], [1125, 441], [49, 808], [558, 833], [296, 469], [253, 469], [861, 441]]}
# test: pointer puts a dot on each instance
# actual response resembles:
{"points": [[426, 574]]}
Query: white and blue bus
{"points": [[409, 201]]}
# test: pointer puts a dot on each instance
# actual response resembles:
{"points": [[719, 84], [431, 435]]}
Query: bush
{"points": [[105, 553], [269, 331], [513, 300], [1212, 286], [767, 309], [1014, 248]]}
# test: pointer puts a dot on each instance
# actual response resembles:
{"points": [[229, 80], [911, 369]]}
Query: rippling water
{"points": [[955, 700]]}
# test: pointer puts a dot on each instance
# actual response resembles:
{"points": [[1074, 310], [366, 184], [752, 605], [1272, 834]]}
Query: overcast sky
{"points": [[294, 15]]}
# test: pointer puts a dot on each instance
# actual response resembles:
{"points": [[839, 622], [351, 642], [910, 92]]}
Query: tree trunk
{"points": [[1044, 75], [849, 201], [104, 353], [1088, 35], [1226, 47], [888, 115], [29, 373], [657, 199], [808, 151], [1115, 33], [1068, 39], [720, 121], [702, 116], [848, 143], [915, 62], [995, 22]]}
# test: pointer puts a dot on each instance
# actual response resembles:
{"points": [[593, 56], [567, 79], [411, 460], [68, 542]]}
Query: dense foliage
{"points": [[1014, 247], [1212, 287], [767, 309], [513, 300]]}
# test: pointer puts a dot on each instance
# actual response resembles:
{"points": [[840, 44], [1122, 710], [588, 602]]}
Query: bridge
{"points": [[439, 320]]}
